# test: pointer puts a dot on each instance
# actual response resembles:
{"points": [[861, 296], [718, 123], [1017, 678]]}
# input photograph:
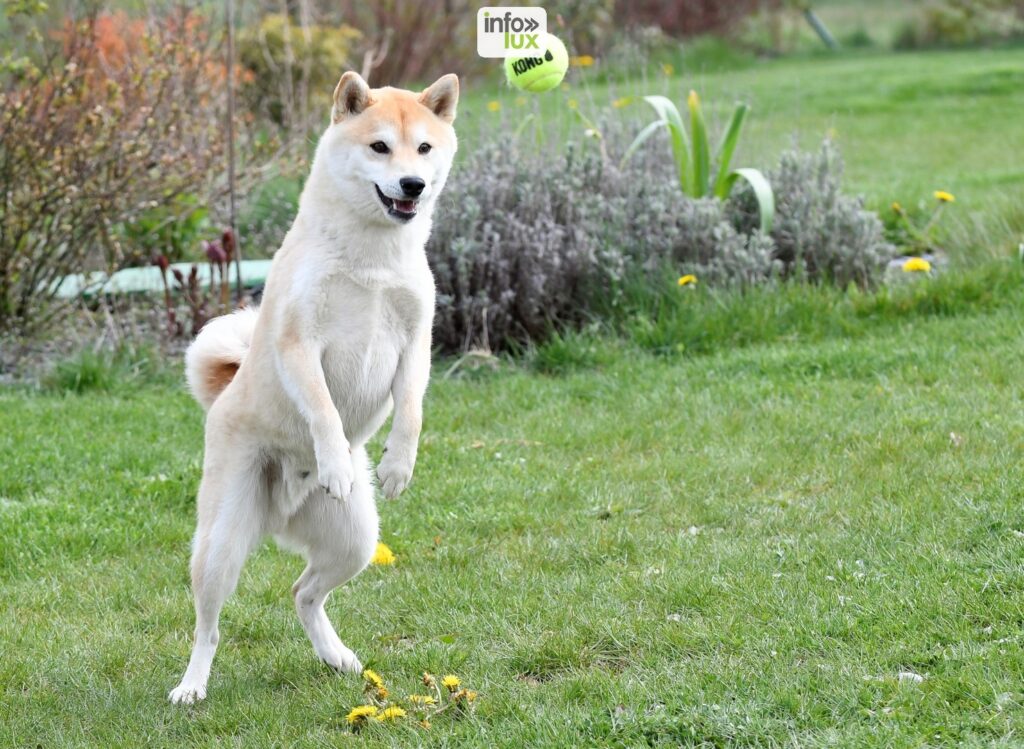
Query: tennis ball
{"points": [[541, 73]]}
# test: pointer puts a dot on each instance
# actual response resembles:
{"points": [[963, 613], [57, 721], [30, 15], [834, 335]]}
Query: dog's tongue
{"points": [[405, 206]]}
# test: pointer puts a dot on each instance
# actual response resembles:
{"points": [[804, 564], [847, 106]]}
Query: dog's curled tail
{"points": [[217, 352]]}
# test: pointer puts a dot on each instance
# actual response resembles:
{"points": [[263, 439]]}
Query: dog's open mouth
{"points": [[403, 210]]}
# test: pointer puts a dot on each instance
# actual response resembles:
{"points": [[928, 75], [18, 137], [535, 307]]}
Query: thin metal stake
{"points": [[230, 21]]}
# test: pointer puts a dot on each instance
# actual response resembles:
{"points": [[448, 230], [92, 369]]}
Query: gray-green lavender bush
{"points": [[820, 234], [527, 241], [519, 245]]}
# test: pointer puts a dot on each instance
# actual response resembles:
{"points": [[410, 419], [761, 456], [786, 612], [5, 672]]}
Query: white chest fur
{"points": [[367, 322]]}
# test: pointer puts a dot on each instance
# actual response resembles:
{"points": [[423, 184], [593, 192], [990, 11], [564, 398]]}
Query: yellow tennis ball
{"points": [[540, 73]]}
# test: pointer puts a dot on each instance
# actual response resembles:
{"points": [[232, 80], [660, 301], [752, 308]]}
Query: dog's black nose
{"points": [[412, 186]]}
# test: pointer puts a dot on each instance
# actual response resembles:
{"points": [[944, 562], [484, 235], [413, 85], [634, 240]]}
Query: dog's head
{"points": [[388, 150]]}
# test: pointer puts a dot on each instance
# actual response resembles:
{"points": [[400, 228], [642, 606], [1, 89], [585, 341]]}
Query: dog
{"points": [[342, 336]]}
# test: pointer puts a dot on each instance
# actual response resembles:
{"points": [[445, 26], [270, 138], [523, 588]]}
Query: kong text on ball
{"points": [[540, 73]]}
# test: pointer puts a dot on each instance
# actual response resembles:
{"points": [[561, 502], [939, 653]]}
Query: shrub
{"points": [[858, 38], [714, 250], [820, 234], [963, 22], [174, 229], [119, 117], [519, 249], [294, 67], [527, 241]]}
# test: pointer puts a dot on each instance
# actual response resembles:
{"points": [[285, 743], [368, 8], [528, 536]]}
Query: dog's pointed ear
{"points": [[351, 96], [442, 96]]}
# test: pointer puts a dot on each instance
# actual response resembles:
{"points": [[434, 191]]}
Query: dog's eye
{"points": [[380, 147], [425, 148]]}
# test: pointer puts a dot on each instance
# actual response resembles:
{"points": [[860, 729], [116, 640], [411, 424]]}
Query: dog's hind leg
{"points": [[232, 509], [338, 538]]}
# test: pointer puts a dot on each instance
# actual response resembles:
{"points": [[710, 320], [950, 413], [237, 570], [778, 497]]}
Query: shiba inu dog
{"points": [[296, 388]]}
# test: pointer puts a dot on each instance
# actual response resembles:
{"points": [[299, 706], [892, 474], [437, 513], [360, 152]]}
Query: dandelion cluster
{"points": [[444, 695]]}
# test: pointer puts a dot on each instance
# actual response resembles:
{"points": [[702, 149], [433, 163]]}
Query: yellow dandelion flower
{"points": [[622, 102], [944, 197], [572, 104], [667, 68], [583, 61], [382, 693], [361, 713], [688, 280], [471, 695], [421, 699], [520, 101], [451, 682], [373, 678], [693, 100], [383, 555], [896, 207], [390, 713], [916, 265], [494, 106]]}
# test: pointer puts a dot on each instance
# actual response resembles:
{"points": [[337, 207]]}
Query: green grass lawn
{"points": [[742, 548]]}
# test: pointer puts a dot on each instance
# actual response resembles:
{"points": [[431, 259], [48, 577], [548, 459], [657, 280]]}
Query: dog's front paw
{"points": [[395, 472], [187, 694], [336, 475]]}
